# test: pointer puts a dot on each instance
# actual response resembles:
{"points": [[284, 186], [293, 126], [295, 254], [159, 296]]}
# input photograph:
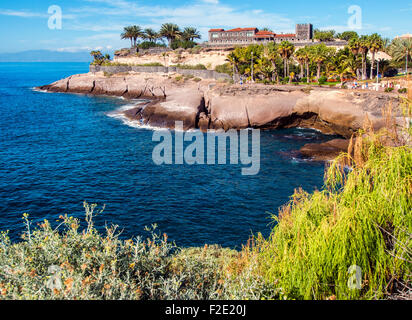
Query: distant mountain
{"points": [[45, 56]]}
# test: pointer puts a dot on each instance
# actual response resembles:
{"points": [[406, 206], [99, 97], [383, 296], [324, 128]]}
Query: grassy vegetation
{"points": [[190, 67], [117, 64], [224, 68], [362, 217]]}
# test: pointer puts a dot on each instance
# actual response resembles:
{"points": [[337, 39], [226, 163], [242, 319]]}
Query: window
{"points": [[250, 34], [215, 35]]}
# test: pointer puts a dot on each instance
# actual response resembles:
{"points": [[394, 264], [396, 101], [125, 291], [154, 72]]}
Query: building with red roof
{"points": [[246, 36]]}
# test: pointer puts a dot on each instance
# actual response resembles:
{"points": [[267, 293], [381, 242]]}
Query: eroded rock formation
{"points": [[209, 105]]}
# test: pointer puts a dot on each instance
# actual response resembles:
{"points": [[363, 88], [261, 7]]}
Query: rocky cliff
{"points": [[209, 104]]}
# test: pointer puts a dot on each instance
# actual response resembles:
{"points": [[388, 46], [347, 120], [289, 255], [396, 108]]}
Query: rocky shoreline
{"points": [[207, 104]]}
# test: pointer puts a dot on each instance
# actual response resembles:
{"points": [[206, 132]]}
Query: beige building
{"points": [[239, 36]]}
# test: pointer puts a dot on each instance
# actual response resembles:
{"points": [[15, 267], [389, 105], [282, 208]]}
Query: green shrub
{"points": [[151, 64], [224, 68], [150, 44], [197, 79], [196, 50], [403, 90], [361, 218], [190, 67], [176, 44], [323, 80], [389, 89]]}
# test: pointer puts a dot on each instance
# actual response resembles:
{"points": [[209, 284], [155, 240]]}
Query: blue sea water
{"points": [[57, 150]]}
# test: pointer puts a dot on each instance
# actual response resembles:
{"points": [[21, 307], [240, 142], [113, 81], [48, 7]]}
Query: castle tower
{"points": [[304, 31]]}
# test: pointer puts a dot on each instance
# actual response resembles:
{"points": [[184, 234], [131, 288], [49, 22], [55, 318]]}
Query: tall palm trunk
{"points": [[288, 65], [318, 73], [274, 73], [307, 72], [372, 64], [301, 70], [363, 67]]}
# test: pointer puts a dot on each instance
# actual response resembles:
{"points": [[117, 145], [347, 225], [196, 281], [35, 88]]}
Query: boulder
{"points": [[80, 84], [325, 151], [182, 105]]}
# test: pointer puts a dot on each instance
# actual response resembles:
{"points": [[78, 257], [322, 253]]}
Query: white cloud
{"points": [[201, 14], [22, 13], [211, 1]]}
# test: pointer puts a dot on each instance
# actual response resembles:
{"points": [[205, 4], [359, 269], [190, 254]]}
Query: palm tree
{"points": [[300, 56], [127, 34], [354, 46], [307, 60], [233, 59], [97, 55], [401, 49], [150, 35], [363, 50], [375, 45], [286, 49], [170, 31], [319, 54], [263, 67], [137, 33], [343, 66], [189, 34], [272, 54]]}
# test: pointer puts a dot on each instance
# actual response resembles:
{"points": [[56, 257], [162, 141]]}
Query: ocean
{"points": [[58, 150]]}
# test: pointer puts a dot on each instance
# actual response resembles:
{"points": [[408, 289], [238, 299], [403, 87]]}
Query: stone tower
{"points": [[304, 31]]}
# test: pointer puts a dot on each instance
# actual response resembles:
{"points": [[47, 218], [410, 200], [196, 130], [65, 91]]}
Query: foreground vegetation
{"points": [[351, 240]]}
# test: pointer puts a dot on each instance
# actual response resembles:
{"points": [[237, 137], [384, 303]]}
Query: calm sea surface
{"points": [[57, 150]]}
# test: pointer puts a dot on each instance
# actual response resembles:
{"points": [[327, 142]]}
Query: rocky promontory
{"points": [[208, 104]]}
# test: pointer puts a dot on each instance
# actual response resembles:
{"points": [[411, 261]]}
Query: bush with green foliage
{"points": [[323, 80], [224, 68], [150, 44], [185, 44], [65, 262], [190, 67], [324, 36], [361, 218]]}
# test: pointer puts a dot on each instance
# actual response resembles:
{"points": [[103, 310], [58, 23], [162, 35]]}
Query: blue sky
{"points": [[91, 24]]}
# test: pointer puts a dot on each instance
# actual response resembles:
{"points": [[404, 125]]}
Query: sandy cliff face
{"points": [[210, 105], [210, 59]]}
